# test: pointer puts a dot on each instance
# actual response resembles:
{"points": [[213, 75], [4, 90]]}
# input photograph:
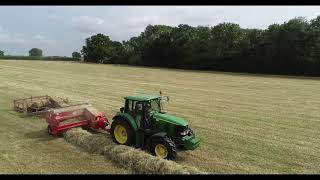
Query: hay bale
{"points": [[131, 158]]}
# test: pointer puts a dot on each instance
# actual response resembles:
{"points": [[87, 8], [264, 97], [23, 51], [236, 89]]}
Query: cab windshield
{"points": [[154, 105]]}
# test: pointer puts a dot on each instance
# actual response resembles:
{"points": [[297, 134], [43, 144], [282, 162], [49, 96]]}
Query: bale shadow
{"points": [[11, 111], [40, 135]]}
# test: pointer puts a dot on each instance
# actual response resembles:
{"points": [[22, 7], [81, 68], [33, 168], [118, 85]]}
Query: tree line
{"points": [[37, 54], [289, 48]]}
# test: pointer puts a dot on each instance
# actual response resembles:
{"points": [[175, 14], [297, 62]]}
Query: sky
{"points": [[60, 30]]}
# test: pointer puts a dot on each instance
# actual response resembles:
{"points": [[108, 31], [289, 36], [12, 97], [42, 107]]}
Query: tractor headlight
{"points": [[184, 133]]}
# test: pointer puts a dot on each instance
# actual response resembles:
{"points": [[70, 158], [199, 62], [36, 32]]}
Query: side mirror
{"points": [[122, 109]]}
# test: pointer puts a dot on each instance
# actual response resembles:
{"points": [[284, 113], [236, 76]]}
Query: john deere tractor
{"points": [[143, 123]]}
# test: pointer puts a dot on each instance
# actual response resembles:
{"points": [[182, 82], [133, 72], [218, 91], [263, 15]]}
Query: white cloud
{"points": [[133, 26], [55, 17], [17, 44], [6, 38], [138, 22], [40, 39], [89, 24]]}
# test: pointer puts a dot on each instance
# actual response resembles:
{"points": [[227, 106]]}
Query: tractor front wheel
{"points": [[163, 147], [122, 132]]}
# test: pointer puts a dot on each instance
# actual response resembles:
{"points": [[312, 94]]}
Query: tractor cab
{"points": [[141, 107]]}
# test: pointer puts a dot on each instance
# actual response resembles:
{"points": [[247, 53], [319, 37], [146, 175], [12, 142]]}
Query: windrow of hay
{"points": [[130, 158]]}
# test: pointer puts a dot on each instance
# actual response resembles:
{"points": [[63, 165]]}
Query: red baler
{"points": [[84, 115]]}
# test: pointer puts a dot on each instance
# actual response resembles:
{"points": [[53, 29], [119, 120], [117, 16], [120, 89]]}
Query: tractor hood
{"points": [[170, 119]]}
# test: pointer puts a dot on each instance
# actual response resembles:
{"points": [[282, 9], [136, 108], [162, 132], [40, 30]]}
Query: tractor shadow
{"points": [[183, 155]]}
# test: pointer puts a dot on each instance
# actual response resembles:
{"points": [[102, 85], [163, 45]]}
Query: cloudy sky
{"points": [[60, 30]]}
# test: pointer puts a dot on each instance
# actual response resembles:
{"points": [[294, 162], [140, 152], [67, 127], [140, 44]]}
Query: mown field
{"points": [[247, 123]]}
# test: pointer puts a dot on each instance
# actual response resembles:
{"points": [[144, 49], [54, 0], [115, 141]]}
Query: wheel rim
{"points": [[120, 134], [161, 151]]}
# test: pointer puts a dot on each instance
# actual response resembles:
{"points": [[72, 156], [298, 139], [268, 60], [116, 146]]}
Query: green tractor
{"points": [[143, 123]]}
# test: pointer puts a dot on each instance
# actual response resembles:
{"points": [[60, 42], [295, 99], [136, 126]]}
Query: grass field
{"points": [[247, 123]]}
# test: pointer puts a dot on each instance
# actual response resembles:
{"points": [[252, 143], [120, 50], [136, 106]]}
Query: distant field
{"points": [[247, 123]]}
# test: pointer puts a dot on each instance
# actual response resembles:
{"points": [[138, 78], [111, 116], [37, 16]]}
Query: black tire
{"points": [[130, 133], [166, 142], [49, 130]]}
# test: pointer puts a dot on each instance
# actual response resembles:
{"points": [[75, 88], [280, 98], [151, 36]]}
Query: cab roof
{"points": [[141, 97]]}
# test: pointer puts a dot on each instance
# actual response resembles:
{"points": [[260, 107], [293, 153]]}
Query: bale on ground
{"points": [[131, 158]]}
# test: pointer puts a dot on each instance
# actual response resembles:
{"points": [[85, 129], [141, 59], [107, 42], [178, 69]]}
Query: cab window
{"points": [[129, 106]]}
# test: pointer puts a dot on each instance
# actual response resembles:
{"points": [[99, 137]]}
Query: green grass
{"points": [[247, 123]]}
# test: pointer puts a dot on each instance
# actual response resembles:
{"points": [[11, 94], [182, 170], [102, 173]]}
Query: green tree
{"points": [[313, 40], [283, 47], [133, 51], [155, 42], [101, 49], [226, 39], [1, 53], [292, 47], [76, 55], [252, 39], [35, 52]]}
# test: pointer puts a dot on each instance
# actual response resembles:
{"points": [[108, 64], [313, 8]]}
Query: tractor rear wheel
{"points": [[122, 133], [163, 147]]}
